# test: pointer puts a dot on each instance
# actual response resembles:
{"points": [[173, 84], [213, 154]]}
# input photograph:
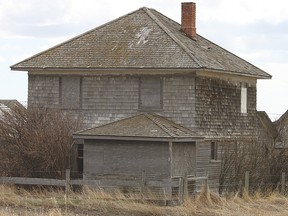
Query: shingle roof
{"points": [[264, 119], [143, 39], [282, 127], [147, 125]]}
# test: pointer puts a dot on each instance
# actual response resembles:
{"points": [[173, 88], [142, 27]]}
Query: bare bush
{"points": [[37, 142], [264, 162]]}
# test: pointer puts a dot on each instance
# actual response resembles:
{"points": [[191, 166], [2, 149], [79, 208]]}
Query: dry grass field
{"points": [[15, 201]]}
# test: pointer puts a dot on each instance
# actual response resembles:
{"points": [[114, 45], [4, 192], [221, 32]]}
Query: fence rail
{"points": [[175, 189], [177, 186], [32, 181]]}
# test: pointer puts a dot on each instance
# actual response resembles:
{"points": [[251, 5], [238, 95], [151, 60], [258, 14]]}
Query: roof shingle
{"points": [[148, 125], [143, 39]]}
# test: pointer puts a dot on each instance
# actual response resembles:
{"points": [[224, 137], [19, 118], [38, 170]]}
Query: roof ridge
{"points": [[171, 35], [155, 121]]}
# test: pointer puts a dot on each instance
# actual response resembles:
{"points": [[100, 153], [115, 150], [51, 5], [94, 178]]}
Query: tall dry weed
{"points": [[15, 201]]}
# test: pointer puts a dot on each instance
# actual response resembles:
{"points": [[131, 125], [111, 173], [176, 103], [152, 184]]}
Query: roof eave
{"points": [[137, 138], [237, 73], [99, 68], [184, 69]]}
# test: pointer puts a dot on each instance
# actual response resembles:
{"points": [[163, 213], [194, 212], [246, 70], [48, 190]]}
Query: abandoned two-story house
{"points": [[156, 95]]}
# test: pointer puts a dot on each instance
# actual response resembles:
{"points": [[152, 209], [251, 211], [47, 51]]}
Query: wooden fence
{"points": [[174, 190], [281, 184]]}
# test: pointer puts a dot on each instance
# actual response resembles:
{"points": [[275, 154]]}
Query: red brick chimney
{"points": [[188, 19]]}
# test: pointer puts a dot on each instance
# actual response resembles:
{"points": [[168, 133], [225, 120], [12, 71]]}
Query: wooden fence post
{"points": [[180, 191], [143, 182], [240, 188], [206, 187], [185, 186], [283, 183], [207, 184], [67, 183], [246, 183], [164, 196]]}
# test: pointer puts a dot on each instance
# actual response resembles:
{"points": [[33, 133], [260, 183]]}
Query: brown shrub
{"points": [[37, 142]]}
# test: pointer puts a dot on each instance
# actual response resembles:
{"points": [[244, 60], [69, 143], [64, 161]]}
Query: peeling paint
{"points": [[141, 37]]}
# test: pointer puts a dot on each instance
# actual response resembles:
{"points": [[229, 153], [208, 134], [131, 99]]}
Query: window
{"points": [[80, 158], [214, 151], [243, 98], [70, 92], [150, 93]]}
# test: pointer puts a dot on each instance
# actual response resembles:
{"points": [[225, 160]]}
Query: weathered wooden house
{"points": [[282, 128], [267, 132], [144, 62]]}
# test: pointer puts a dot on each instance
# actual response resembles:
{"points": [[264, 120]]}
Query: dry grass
{"points": [[15, 201]]}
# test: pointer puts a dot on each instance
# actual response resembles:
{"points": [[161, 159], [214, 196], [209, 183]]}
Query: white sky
{"points": [[256, 30]]}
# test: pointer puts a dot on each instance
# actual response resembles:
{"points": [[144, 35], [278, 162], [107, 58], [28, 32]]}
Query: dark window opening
{"points": [[80, 158]]}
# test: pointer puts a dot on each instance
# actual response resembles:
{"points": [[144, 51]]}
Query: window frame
{"points": [[244, 99]]}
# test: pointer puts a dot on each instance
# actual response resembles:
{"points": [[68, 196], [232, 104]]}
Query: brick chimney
{"points": [[188, 19]]}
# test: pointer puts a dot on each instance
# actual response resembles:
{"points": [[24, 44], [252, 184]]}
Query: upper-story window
{"points": [[150, 93], [243, 98], [70, 92]]}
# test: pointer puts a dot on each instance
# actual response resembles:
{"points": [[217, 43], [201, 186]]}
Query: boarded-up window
{"points": [[183, 159], [70, 97], [243, 99], [150, 97]]}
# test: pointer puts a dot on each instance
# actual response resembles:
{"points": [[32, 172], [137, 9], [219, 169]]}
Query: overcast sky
{"points": [[256, 30]]}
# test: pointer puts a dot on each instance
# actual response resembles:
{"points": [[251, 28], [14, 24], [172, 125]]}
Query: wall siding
{"points": [[179, 99], [218, 108], [108, 98], [43, 91], [126, 159], [206, 166]]}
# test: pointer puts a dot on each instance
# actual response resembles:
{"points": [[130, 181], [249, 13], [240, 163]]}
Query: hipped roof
{"points": [[267, 123], [140, 127], [143, 39]]}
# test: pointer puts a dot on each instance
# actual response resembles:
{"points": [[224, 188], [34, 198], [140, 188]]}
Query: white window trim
{"points": [[243, 99]]}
